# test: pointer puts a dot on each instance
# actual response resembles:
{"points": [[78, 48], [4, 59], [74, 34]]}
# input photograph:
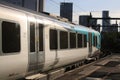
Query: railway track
{"points": [[101, 69]]}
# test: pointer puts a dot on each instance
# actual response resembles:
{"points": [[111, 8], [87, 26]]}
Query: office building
{"points": [[66, 10], [84, 20], [106, 22], [88, 21], [36, 5], [114, 27]]}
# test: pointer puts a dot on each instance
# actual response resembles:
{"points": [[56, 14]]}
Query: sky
{"points": [[84, 7]]}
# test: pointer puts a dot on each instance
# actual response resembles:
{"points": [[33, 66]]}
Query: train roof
{"points": [[66, 24], [76, 27]]}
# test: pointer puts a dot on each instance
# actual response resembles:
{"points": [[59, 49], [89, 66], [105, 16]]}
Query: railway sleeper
{"points": [[73, 66], [36, 77]]}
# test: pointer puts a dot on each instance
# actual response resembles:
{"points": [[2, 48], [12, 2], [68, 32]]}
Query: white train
{"points": [[33, 42]]}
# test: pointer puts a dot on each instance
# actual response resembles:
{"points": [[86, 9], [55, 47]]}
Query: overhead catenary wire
{"points": [[76, 8], [55, 4], [79, 8]]}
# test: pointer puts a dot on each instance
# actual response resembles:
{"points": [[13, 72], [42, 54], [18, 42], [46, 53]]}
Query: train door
{"points": [[36, 54], [40, 46], [90, 43]]}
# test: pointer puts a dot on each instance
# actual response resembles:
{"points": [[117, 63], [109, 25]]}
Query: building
{"points": [[36, 5], [106, 22], [88, 21], [94, 25], [66, 10], [114, 27], [15, 2], [84, 20]]}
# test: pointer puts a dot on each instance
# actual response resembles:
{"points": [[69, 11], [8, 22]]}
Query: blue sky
{"points": [[81, 7]]}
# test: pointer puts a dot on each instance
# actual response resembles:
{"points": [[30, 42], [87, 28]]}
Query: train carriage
{"points": [[32, 42]]}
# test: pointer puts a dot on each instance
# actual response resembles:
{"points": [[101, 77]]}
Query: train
{"points": [[35, 42]]}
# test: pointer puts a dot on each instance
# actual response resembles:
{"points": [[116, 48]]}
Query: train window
{"points": [[10, 37], [95, 41], [99, 40], [63, 40], [32, 37], [40, 37], [85, 40], [53, 39], [79, 40], [72, 40]]}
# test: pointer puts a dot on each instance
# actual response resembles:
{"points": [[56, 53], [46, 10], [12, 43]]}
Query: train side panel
{"points": [[61, 57], [14, 50], [16, 32], [70, 56]]}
